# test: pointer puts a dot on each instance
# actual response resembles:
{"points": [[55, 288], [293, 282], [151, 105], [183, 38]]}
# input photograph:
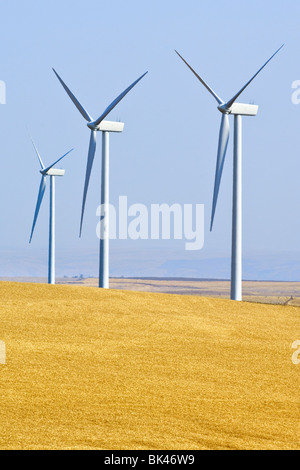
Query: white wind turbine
{"points": [[105, 127], [237, 110], [52, 172]]}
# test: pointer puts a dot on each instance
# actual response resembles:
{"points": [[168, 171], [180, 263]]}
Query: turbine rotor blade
{"points": [[53, 164], [38, 155], [91, 155], [38, 204], [230, 102], [211, 91], [223, 144], [80, 108], [117, 101]]}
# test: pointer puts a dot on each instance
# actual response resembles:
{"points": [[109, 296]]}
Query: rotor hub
{"points": [[223, 109], [92, 126]]}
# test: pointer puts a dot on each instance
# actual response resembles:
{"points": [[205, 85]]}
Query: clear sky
{"points": [[167, 152]]}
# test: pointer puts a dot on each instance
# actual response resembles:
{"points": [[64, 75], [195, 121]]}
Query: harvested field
{"points": [[119, 369]]}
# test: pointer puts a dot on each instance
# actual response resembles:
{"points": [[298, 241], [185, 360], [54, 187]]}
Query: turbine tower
{"points": [[105, 127], [52, 172], [237, 110]]}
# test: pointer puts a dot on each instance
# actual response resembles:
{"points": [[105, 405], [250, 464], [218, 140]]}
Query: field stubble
{"points": [[94, 369]]}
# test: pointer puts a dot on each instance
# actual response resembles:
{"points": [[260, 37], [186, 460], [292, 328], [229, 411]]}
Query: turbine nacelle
{"points": [[53, 172], [240, 109], [106, 126]]}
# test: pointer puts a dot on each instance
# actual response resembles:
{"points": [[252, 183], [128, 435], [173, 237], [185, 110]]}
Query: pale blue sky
{"points": [[167, 153]]}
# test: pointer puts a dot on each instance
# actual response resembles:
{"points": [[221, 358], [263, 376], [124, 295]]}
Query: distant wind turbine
{"points": [[52, 172], [105, 126], [237, 110]]}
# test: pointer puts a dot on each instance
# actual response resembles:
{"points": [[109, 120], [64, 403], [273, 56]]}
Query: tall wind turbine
{"points": [[237, 110], [52, 172], [105, 127]]}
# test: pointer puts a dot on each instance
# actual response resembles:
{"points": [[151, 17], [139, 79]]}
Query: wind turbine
{"points": [[105, 127], [237, 110], [52, 172]]}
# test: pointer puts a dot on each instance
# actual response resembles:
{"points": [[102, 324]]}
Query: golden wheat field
{"points": [[116, 370]]}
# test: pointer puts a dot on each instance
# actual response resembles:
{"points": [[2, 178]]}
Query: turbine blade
{"points": [[91, 155], [223, 144], [38, 155], [230, 103], [53, 164], [38, 204], [80, 108], [117, 100], [201, 80]]}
